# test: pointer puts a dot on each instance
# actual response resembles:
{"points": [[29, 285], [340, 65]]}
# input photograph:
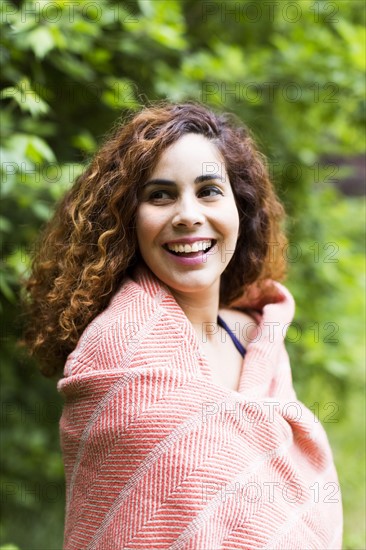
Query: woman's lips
{"points": [[191, 258], [189, 240], [194, 246]]}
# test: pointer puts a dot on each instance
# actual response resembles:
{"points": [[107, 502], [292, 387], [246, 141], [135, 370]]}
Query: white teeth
{"points": [[186, 248]]}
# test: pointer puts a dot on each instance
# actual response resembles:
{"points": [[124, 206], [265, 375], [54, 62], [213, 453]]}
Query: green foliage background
{"points": [[293, 71]]}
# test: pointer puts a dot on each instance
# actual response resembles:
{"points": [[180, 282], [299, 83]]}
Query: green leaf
{"points": [[38, 150], [146, 7], [85, 142], [6, 290], [5, 225], [121, 93], [42, 210], [26, 98], [355, 38], [73, 67], [41, 41]]}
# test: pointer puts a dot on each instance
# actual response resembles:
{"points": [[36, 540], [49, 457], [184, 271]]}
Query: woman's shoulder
{"points": [[242, 323], [247, 316]]}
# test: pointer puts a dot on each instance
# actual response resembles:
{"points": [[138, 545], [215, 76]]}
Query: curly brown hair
{"points": [[90, 244]]}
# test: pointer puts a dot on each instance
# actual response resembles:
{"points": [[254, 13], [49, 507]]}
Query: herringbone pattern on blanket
{"points": [[157, 456]]}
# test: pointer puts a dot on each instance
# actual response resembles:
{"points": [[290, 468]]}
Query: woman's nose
{"points": [[188, 212]]}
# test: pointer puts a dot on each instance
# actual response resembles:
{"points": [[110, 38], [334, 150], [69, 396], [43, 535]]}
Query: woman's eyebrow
{"points": [[207, 177], [199, 179]]}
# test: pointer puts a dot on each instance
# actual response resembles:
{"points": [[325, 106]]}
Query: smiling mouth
{"points": [[190, 250]]}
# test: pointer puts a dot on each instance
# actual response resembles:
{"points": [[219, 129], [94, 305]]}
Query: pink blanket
{"points": [[158, 456]]}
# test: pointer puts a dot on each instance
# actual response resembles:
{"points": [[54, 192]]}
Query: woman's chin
{"points": [[192, 282]]}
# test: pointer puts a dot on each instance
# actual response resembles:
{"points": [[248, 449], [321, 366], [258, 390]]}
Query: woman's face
{"points": [[186, 207]]}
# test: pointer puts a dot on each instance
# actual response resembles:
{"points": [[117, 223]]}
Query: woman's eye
{"points": [[159, 195], [211, 191], [162, 196]]}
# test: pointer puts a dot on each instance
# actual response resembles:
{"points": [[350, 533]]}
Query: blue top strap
{"points": [[239, 346]]}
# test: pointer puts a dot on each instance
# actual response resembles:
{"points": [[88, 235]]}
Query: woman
{"points": [[156, 277]]}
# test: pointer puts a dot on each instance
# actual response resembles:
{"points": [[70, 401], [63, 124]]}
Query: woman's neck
{"points": [[201, 309]]}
